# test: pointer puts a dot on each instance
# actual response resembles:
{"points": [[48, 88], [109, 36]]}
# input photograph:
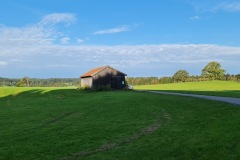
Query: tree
{"points": [[238, 77], [227, 76], [24, 82], [213, 71], [181, 76]]}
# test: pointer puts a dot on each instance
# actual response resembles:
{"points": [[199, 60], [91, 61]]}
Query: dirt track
{"points": [[163, 119], [234, 101]]}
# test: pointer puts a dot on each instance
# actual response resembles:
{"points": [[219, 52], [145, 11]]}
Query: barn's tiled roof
{"points": [[97, 70]]}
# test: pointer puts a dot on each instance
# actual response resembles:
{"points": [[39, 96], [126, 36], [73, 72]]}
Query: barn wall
{"points": [[109, 78], [87, 81]]}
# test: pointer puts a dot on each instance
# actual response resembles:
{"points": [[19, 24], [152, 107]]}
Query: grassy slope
{"points": [[218, 88], [56, 123]]}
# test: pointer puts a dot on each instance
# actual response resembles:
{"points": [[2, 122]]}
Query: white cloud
{"points": [[79, 40], [64, 40], [31, 37], [195, 18], [228, 6], [113, 30], [56, 18], [214, 6], [2, 63]]}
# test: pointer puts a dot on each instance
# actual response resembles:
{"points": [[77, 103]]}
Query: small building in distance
{"points": [[103, 77]]}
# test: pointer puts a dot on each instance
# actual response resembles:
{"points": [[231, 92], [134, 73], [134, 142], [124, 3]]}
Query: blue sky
{"points": [[65, 38]]}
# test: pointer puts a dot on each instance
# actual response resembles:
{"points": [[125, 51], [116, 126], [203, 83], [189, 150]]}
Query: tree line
{"points": [[212, 71], [37, 82]]}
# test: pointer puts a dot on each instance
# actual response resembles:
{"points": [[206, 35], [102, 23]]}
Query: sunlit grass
{"points": [[218, 88]]}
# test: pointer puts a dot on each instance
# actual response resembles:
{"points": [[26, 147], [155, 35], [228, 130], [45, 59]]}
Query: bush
{"points": [[85, 88]]}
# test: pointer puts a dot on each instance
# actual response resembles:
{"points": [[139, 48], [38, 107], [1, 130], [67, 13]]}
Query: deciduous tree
{"points": [[213, 71], [181, 76]]}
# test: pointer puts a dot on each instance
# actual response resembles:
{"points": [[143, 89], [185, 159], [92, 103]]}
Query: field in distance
{"points": [[65, 123], [215, 88]]}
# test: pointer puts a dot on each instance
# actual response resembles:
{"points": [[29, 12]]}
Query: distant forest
{"points": [[67, 82], [37, 82], [164, 80]]}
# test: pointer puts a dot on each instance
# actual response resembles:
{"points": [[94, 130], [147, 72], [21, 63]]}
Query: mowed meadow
{"points": [[67, 123], [215, 88]]}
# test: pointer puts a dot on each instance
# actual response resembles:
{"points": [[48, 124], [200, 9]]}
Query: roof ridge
{"points": [[102, 68], [93, 71], [97, 70]]}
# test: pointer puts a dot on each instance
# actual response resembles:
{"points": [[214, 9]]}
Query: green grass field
{"points": [[216, 88], [65, 123]]}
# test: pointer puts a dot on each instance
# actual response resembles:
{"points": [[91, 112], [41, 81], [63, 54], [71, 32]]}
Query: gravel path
{"points": [[234, 101]]}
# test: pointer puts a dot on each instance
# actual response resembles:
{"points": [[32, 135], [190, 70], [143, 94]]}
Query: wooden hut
{"points": [[103, 77]]}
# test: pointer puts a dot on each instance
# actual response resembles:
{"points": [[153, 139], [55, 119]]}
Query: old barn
{"points": [[103, 77]]}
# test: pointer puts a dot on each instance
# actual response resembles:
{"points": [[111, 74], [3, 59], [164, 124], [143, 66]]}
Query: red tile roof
{"points": [[97, 70], [93, 71]]}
